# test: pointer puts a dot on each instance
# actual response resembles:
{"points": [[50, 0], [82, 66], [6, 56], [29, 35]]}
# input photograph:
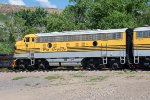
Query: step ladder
{"points": [[122, 56], [136, 56]]}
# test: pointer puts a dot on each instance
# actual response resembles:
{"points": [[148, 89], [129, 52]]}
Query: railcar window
{"points": [[49, 39], [53, 39], [89, 37], [57, 38], [84, 37], [80, 38], [75, 37], [98, 37], [118, 36], [104, 36], [143, 34], [148, 33], [37, 39], [45, 39], [114, 36], [109, 36], [64, 38], [41, 39], [139, 34], [94, 36]]}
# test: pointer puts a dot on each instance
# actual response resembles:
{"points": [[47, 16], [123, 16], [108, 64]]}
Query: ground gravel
{"points": [[75, 85]]}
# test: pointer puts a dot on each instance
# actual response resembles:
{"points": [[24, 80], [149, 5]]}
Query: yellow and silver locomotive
{"points": [[91, 49]]}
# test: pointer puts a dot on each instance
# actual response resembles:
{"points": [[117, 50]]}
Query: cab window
{"points": [[32, 39], [27, 39]]}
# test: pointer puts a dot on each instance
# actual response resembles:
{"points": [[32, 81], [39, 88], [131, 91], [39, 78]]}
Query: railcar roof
{"points": [[80, 32], [142, 29]]}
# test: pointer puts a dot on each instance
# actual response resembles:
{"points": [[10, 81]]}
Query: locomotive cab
{"points": [[26, 44]]}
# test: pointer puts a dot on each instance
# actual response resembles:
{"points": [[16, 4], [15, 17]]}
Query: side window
{"points": [[49, 45], [118, 36], [139, 34], [33, 39], [104, 36], [27, 39], [143, 34]]}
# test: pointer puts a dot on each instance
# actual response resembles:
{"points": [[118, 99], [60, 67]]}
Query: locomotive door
{"points": [[129, 46]]}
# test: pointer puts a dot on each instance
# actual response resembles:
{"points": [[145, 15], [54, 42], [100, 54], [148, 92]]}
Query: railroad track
{"points": [[66, 70]]}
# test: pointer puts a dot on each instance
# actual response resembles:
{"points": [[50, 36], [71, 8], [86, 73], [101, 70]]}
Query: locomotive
{"points": [[88, 49]]}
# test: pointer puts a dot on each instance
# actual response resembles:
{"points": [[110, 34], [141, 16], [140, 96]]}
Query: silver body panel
{"points": [[141, 52], [72, 54], [71, 58]]}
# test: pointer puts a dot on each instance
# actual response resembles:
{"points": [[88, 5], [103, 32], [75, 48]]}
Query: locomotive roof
{"points": [[80, 32], [142, 29]]}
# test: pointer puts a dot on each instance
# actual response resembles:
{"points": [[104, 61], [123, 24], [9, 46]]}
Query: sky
{"points": [[61, 4]]}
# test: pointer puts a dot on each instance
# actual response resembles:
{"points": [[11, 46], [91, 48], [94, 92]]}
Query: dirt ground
{"points": [[75, 85]]}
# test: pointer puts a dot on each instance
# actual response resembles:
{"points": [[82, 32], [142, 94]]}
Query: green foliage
{"points": [[6, 48], [19, 78], [58, 22], [33, 18], [79, 74], [98, 78], [53, 77], [15, 27], [117, 19], [144, 19], [3, 17], [116, 13]]}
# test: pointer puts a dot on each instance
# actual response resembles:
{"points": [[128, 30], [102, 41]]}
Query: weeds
{"points": [[98, 78], [79, 74], [53, 77], [19, 78]]}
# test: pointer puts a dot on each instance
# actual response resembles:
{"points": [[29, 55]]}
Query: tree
{"points": [[36, 20], [15, 28], [144, 19], [76, 13], [58, 22], [116, 13]]}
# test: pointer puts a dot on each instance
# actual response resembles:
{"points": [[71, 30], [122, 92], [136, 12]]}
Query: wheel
{"points": [[146, 66], [21, 65], [91, 64], [42, 65], [115, 64]]}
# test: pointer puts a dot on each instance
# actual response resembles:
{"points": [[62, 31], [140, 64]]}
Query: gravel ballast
{"points": [[75, 85]]}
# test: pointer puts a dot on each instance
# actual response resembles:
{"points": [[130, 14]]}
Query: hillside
{"points": [[14, 8]]}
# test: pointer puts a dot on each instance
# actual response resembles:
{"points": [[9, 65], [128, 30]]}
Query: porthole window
{"points": [[49, 45], [95, 43]]}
